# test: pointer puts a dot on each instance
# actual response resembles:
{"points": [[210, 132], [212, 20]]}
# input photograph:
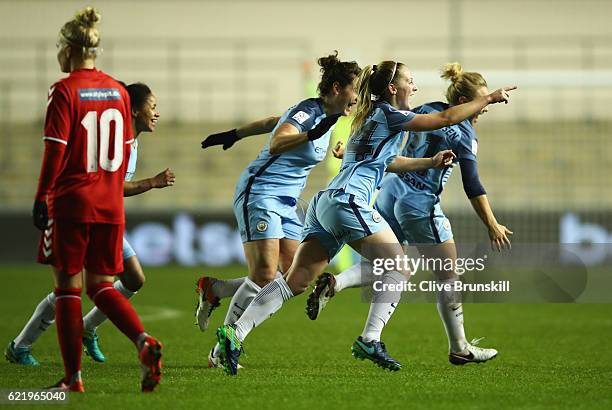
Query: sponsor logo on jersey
{"points": [[262, 226], [300, 117], [412, 181], [99, 94], [403, 112]]}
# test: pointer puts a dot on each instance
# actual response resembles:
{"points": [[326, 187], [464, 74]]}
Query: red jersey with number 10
{"points": [[90, 113]]}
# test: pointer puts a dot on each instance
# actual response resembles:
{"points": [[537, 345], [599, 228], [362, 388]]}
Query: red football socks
{"points": [[69, 319], [117, 308]]}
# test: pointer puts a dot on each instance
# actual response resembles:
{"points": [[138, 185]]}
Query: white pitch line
{"points": [[155, 313]]}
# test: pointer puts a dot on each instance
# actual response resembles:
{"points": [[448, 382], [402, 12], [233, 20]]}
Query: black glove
{"points": [[227, 139], [40, 215], [321, 128]]}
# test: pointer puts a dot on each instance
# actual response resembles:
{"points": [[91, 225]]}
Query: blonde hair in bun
{"points": [[82, 32], [462, 83]]}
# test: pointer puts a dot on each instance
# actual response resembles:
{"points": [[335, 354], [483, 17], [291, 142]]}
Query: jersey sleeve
{"points": [[303, 116], [396, 119], [59, 115], [471, 181], [464, 143], [52, 160]]}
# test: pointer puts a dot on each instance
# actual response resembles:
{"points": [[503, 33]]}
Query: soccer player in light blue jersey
{"points": [[267, 193], [144, 116], [341, 214], [410, 203]]}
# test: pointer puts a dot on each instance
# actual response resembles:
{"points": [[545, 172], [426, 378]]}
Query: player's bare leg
{"points": [[262, 260], [133, 277], [264, 257], [381, 245], [328, 285], [310, 260], [450, 309], [288, 248]]}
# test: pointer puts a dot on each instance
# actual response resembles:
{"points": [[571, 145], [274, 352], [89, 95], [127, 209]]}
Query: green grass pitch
{"points": [[551, 356]]}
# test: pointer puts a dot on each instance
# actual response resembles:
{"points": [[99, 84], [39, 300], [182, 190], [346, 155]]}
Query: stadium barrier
{"points": [[193, 239]]}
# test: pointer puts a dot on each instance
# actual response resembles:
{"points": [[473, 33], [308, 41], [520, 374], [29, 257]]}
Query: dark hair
{"points": [[333, 70], [138, 94]]}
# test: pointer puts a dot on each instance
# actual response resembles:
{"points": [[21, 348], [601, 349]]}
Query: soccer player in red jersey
{"points": [[19, 350], [79, 201]]}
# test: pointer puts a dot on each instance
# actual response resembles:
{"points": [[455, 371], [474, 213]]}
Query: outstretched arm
{"points": [[229, 138], [263, 126], [287, 136], [406, 164], [498, 234], [161, 180], [457, 113]]}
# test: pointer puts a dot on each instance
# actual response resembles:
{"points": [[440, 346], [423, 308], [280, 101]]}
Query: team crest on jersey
{"points": [[300, 117], [474, 147], [446, 224], [376, 217], [262, 226]]}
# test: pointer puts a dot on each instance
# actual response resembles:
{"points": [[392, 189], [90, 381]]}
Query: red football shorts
{"points": [[72, 246]]}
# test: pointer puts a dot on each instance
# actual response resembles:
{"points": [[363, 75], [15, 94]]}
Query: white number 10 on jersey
{"points": [[90, 123]]}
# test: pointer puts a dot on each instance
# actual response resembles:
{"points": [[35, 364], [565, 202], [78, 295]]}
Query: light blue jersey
{"points": [[410, 201], [422, 189], [370, 150], [268, 190], [342, 212], [128, 251], [286, 174], [131, 168]]}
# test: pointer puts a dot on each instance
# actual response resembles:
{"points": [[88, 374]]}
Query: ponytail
{"points": [[373, 85], [364, 99]]}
